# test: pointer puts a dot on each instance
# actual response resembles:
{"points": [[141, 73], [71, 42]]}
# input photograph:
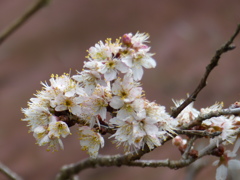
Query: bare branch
{"points": [[21, 20], [198, 133], [214, 62], [179, 163], [189, 146], [68, 171], [9, 173]]}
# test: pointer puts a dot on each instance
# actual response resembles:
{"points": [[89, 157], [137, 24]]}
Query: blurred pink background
{"points": [[183, 34]]}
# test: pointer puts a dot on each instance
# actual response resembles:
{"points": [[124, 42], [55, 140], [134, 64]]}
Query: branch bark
{"points": [[22, 19], [9, 173], [68, 171], [214, 62]]}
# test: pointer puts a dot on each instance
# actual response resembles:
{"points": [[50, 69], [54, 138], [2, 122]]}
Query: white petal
{"points": [[122, 67], [149, 62], [103, 113], [61, 108], [135, 93], [221, 173], [128, 60], [116, 87], [110, 75], [234, 167], [116, 102], [137, 73], [123, 113], [236, 146]]}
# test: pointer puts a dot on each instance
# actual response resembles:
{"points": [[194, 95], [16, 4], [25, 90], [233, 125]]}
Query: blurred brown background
{"points": [[184, 36]]}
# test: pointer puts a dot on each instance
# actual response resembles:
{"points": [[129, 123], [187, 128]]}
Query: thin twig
{"points": [[21, 20], [9, 173], [214, 62], [200, 133], [189, 146]]}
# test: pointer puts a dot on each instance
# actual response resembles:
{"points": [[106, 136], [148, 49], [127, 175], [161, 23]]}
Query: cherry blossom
{"points": [[90, 141]]}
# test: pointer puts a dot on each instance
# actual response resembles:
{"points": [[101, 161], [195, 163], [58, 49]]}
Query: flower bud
{"points": [[177, 141], [126, 39]]}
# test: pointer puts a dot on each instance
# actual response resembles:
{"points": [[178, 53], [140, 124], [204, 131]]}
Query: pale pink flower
{"points": [[103, 51], [188, 114], [137, 60], [135, 133], [223, 124], [41, 135], [89, 79], [227, 165], [36, 116], [125, 91], [111, 67], [216, 107], [98, 102], [136, 41], [135, 109], [90, 141], [58, 129]]}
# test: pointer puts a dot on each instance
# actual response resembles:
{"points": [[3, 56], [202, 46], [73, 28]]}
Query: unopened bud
{"points": [[177, 141], [126, 39], [218, 151]]}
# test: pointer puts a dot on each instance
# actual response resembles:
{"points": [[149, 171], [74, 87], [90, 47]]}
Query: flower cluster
{"points": [[109, 83], [224, 124], [107, 97]]}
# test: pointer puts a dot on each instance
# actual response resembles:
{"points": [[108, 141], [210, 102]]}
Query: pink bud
{"points": [[126, 39], [177, 141]]}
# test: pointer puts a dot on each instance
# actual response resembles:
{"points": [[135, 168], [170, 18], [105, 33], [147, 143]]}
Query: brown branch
{"points": [[214, 62], [199, 133], [202, 117], [21, 20], [9, 173], [176, 164], [130, 159], [68, 171], [188, 148]]}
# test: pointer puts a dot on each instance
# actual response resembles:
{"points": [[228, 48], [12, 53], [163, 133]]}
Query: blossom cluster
{"points": [[108, 84], [226, 124], [106, 96]]}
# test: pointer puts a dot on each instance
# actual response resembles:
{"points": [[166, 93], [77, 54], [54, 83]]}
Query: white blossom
{"points": [[90, 141], [137, 60], [188, 114], [227, 164], [89, 80], [223, 124], [58, 129], [125, 91]]}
